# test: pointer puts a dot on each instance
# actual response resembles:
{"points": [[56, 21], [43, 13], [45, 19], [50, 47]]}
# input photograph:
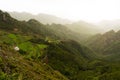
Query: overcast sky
{"points": [[87, 10]]}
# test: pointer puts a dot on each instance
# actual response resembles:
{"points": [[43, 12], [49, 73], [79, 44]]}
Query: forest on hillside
{"points": [[31, 50]]}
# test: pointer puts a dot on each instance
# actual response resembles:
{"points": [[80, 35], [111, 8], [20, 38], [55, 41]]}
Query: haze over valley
{"points": [[60, 40]]}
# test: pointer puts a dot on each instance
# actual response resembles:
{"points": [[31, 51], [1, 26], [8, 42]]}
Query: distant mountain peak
{"points": [[43, 18], [111, 31], [33, 21]]}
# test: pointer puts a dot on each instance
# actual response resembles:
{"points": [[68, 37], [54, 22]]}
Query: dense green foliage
{"points": [[25, 63]]}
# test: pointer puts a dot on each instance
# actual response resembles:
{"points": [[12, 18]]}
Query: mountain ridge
{"points": [[37, 42], [51, 52], [106, 44], [44, 18]]}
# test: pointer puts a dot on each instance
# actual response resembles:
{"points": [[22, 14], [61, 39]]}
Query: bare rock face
{"points": [[4, 16]]}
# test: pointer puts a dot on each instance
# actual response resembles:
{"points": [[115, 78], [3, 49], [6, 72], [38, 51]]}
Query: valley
{"points": [[57, 51]]}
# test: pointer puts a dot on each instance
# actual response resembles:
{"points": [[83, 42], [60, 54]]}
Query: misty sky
{"points": [[87, 10]]}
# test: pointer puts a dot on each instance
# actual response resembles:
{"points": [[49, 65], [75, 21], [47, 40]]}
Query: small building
{"points": [[16, 48]]}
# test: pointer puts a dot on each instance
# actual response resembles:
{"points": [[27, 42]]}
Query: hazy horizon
{"points": [[59, 40], [75, 10]]}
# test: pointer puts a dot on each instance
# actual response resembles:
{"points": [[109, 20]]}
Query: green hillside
{"points": [[30, 50], [36, 41], [106, 44], [23, 64]]}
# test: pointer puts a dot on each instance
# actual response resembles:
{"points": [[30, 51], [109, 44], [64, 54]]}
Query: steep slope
{"points": [[25, 66], [107, 43], [102, 41], [46, 59], [13, 66], [43, 18], [44, 44], [8, 23], [57, 31], [69, 58], [16, 66], [33, 51], [80, 30], [65, 33]]}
